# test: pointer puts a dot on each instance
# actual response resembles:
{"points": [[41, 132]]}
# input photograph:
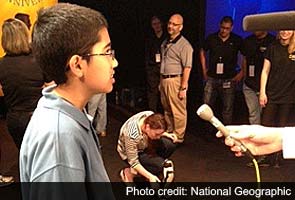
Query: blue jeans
{"points": [[225, 88], [97, 108], [252, 101]]}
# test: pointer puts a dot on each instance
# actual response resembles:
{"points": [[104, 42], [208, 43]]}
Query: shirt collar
{"points": [[175, 39], [52, 101]]}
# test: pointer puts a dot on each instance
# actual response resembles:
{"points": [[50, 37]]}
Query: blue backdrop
{"points": [[216, 9]]}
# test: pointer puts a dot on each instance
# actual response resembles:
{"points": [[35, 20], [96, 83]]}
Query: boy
{"points": [[72, 46]]}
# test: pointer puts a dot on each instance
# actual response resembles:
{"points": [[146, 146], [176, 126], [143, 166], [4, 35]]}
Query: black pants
{"points": [[277, 115], [153, 162], [17, 123], [153, 81]]}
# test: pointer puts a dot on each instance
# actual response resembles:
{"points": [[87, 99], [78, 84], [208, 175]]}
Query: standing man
{"points": [[221, 75], [253, 50], [71, 44], [177, 56], [97, 108], [152, 63]]}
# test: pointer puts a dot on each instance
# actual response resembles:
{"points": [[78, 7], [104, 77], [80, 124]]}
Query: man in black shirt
{"points": [[152, 63], [221, 75]]}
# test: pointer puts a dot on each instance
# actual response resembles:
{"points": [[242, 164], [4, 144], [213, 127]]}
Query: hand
{"points": [[153, 179], [182, 94], [259, 140], [238, 77], [262, 99], [173, 137]]}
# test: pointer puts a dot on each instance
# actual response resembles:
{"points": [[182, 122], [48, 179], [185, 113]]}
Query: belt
{"points": [[171, 76]]}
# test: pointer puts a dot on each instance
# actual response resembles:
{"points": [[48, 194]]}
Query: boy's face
{"points": [[98, 75]]}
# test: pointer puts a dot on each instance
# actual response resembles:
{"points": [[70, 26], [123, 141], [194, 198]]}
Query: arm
{"points": [[242, 63], [132, 157], [184, 82], [263, 81], [1, 91], [244, 66], [186, 56], [185, 76], [142, 171], [203, 64]]}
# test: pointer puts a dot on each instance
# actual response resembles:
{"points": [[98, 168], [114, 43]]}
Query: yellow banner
{"points": [[8, 8]]}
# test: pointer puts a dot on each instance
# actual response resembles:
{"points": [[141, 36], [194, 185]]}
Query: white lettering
{"points": [[179, 191], [133, 191]]}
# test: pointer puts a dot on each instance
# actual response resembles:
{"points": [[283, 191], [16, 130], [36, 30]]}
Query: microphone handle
{"points": [[217, 124]]}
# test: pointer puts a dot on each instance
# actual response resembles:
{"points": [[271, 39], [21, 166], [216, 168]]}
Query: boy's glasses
{"points": [[111, 54]]}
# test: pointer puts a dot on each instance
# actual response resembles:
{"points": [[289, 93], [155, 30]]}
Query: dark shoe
{"points": [[262, 161]]}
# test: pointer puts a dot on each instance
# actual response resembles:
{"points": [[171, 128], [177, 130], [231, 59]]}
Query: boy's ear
{"points": [[74, 65]]}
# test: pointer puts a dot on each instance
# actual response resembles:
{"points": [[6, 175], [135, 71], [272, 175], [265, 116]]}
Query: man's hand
{"points": [[182, 94]]}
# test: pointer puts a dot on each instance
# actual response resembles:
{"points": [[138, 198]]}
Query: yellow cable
{"points": [[257, 174], [257, 170]]}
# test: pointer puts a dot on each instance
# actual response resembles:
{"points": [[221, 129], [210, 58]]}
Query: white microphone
{"points": [[206, 113]]}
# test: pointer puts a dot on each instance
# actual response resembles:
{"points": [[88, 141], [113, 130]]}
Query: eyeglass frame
{"points": [[173, 24], [112, 54]]}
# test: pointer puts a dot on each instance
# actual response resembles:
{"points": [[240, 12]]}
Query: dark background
{"points": [[129, 22]]}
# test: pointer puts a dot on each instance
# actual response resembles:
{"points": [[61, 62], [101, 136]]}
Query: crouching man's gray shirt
{"points": [[60, 145]]}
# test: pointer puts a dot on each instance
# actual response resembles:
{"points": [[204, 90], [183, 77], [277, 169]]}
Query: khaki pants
{"points": [[174, 108]]}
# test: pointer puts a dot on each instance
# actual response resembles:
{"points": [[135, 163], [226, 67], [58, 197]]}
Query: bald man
{"points": [[176, 64]]}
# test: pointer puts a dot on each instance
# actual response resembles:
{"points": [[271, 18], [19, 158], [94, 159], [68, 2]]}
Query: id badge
{"points": [[251, 70], [158, 57], [226, 85], [219, 68]]}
